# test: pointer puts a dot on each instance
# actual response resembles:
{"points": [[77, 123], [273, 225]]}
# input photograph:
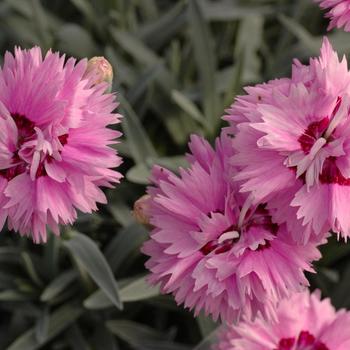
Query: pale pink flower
{"points": [[338, 13], [212, 248], [304, 322], [54, 143], [293, 145]]}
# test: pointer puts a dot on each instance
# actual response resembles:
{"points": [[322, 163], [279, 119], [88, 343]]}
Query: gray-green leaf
{"points": [[90, 257]]}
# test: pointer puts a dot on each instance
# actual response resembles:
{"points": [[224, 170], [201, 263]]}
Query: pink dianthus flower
{"points": [[214, 250], [304, 322], [54, 143], [293, 145], [338, 13]]}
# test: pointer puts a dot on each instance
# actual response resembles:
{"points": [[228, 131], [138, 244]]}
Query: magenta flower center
{"points": [[25, 127], [305, 341], [330, 172], [219, 247], [25, 148], [260, 219], [313, 132]]}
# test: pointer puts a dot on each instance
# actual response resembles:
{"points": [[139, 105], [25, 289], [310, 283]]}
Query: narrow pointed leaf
{"points": [[58, 321], [58, 285], [206, 63], [92, 260]]}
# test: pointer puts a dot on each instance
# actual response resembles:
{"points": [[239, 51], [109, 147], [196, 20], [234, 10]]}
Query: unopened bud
{"points": [[141, 210], [100, 70]]}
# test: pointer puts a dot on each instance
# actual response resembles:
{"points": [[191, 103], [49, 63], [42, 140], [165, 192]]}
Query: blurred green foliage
{"points": [[178, 65]]}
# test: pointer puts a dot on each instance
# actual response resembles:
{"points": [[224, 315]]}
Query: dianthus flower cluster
{"points": [[234, 233]]}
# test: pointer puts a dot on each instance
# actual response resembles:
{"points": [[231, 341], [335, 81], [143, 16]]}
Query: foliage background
{"points": [[178, 65]]}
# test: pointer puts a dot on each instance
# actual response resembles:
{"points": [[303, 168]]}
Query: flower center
{"points": [[318, 135], [260, 218], [221, 246], [25, 127], [323, 128], [313, 132], [305, 341], [31, 144]]}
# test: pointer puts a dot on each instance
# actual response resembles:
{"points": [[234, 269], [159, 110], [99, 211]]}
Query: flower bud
{"points": [[141, 210], [100, 70]]}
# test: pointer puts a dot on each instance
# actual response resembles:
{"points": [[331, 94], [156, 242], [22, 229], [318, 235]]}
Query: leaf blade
{"points": [[91, 258], [58, 321]]}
